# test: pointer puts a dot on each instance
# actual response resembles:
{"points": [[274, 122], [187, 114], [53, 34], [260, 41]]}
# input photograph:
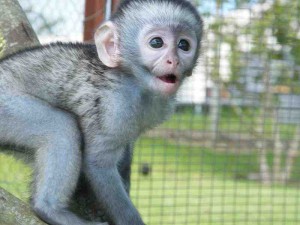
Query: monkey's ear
{"points": [[106, 40]]}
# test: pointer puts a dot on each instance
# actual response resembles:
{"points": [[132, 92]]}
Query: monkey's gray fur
{"points": [[110, 107], [58, 97]]}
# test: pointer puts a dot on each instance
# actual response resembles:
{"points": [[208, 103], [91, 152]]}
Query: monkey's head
{"points": [[157, 41]]}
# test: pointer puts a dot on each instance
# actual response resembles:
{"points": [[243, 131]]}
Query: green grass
{"points": [[195, 199], [14, 176], [195, 159], [191, 186], [230, 121], [197, 186]]}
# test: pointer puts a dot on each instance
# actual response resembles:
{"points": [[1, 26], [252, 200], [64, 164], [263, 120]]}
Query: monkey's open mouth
{"points": [[168, 78]]}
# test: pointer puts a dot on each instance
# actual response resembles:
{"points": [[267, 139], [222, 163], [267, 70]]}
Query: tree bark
{"points": [[277, 172], [215, 113], [15, 30], [291, 155], [265, 113], [15, 212]]}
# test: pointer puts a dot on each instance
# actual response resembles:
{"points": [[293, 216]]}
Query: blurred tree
{"points": [[276, 34], [220, 35], [270, 34], [42, 24]]}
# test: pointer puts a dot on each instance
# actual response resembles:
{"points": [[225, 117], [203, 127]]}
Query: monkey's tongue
{"points": [[169, 78]]}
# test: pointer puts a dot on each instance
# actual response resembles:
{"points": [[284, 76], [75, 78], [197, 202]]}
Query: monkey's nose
{"points": [[173, 62]]}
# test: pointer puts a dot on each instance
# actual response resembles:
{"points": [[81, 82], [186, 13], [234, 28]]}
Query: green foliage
{"points": [[280, 21], [274, 35]]}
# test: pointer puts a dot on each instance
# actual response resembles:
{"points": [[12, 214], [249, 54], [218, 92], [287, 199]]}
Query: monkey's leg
{"points": [[29, 122]]}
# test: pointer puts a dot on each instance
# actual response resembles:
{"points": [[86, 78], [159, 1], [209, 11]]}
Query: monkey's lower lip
{"points": [[168, 78]]}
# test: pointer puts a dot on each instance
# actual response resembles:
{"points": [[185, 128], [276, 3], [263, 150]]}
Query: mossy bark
{"points": [[15, 30]]}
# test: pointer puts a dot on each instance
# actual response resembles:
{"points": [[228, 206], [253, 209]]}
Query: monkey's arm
{"points": [[102, 172], [124, 166]]}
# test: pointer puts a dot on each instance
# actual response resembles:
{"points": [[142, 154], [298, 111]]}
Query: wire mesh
{"points": [[230, 153]]}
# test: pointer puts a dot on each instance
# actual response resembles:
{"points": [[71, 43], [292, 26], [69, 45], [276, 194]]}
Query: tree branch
{"points": [[15, 30], [15, 212]]}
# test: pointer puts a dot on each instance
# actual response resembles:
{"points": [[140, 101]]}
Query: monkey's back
{"points": [[53, 72], [71, 77]]}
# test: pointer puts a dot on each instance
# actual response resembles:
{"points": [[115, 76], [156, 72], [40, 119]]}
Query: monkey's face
{"points": [[156, 41], [169, 54]]}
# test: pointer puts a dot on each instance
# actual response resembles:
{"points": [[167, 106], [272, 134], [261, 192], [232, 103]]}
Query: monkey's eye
{"points": [[184, 45], [156, 42]]}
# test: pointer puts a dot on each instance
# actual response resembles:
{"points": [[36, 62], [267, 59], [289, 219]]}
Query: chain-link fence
{"points": [[230, 154]]}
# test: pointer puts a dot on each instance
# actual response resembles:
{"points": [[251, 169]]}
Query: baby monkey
{"points": [[59, 97]]}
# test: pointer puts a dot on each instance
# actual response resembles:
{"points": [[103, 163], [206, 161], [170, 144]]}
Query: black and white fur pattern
{"points": [[57, 97]]}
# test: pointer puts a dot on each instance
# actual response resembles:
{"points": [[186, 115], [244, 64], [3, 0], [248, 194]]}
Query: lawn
{"points": [[191, 186], [230, 121]]}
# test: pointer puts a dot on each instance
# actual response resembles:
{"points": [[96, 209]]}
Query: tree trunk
{"points": [[291, 155], [260, 129], [215, 113], [277, 172], [15, 212], [15, 30], [216, 77]]}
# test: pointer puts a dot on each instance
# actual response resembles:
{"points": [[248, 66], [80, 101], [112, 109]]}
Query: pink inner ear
{"points": [[110, 47], [107, 44]]}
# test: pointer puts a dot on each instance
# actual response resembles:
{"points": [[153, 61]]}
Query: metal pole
{"points": [[108, 9]]}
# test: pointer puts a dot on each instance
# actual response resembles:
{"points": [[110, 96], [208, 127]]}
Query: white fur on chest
{"points": [[129, 112]]}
